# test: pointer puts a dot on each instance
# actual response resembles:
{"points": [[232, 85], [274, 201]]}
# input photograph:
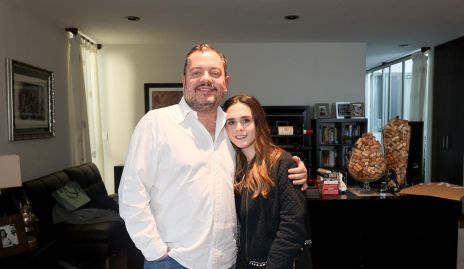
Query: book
{"points": [[330, 181], [330, 187], [329, 191]]}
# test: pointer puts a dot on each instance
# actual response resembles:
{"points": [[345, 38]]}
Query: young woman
{"points": [[271, 211]]}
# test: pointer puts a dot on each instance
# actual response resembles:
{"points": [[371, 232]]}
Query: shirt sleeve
{"points": [[291, 230], [134, 190]]}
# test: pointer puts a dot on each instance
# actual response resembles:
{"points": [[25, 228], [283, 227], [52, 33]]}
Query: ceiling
{"points": [[382, 25]]}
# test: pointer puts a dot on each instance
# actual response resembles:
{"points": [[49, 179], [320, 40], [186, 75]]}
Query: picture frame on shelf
{"points": [[13, 236], [30, 101], [158, 95], [357, 110], [343, 110], [322, 110]]}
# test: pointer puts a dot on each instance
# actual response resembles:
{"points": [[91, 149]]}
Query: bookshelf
{"points": [[299, 117], [333, 140]]}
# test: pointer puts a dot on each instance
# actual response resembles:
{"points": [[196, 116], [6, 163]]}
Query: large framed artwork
{"points": [[159, 95], [31, 101]]}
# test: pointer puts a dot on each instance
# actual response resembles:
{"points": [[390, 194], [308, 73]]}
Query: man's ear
{"points": [[227, 79]]}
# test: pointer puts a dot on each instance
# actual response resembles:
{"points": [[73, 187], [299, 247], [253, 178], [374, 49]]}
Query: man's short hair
{"points": [[205, 47]]}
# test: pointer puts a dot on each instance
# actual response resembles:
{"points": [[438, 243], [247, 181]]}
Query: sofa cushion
{"points": [[110, 231], [92, 241], [84, 215], [39, 193], [89, 178]]}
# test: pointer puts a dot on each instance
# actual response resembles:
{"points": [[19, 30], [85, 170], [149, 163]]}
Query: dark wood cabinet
{"points": [[448, 124], [299, 117], [383, 232]]}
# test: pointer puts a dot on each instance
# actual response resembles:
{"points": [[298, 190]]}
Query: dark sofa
{"points": [[96, 243]]}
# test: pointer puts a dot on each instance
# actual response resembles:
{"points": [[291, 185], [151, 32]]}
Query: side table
{"points": [[42, 257]]}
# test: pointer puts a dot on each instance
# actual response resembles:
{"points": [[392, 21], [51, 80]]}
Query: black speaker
{"points": [[414, 172], [117, 176]]}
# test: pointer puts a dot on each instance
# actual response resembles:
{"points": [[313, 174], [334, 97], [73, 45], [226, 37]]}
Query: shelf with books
{"points": [[333, 140]]}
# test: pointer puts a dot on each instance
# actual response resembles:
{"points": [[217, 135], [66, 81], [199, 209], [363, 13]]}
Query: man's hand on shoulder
{"points": [[299, 175]]}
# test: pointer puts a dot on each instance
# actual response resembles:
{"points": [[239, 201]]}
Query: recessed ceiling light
{"points": [[133, 18], [404, 45], [292, 17]]}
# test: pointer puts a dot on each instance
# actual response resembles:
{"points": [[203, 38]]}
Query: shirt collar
{"points": [[185, 109]]}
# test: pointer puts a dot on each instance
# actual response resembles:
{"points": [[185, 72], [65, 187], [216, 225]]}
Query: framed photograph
{"points": [[13, 235], [321, 111], [357, 110], [31, 102], [158, 95], [343, 110]]}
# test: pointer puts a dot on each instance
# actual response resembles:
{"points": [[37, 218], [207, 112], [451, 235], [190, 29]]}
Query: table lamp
{"points": [[10, 172]]}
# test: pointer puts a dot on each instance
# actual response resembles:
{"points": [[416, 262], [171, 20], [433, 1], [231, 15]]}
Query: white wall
{"points": [[298, 74], [29, 39], [277, 74]]}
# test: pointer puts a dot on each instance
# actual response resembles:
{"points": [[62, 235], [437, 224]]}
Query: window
{"points": [[388, 90], [401, 88]]}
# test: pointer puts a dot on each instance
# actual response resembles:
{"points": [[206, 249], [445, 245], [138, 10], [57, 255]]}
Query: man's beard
{"points": [[201, 103]]}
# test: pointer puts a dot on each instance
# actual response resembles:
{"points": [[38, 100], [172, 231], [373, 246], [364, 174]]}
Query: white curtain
{"points": [[428, 109], [84, 103], [79, 133], [418, 86], [419, 109], [90, 68]]}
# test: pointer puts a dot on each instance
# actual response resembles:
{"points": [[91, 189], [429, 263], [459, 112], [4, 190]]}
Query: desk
{"points": [[383, 232]]}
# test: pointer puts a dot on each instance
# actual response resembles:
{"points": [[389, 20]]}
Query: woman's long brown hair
{"points": [[255, 175]]}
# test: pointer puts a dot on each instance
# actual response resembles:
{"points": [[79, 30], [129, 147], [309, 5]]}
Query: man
{"points": [[176, 191]]}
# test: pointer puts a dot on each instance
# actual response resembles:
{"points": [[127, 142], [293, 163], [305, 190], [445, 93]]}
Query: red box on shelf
{"points": [[329, 189]]}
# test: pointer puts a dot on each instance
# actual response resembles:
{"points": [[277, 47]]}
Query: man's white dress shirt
{"points": [[176, 191]]}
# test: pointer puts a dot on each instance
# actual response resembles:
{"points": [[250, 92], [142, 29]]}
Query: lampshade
{"points": [[10, 171]]}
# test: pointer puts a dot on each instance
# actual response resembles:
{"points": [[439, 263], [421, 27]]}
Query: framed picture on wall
{"points": [[343, 110], [158, 95], [322, 110], [31, 101]]}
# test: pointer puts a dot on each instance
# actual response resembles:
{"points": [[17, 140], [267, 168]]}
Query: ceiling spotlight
{"points": [[133, 18], [292, 17]]}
